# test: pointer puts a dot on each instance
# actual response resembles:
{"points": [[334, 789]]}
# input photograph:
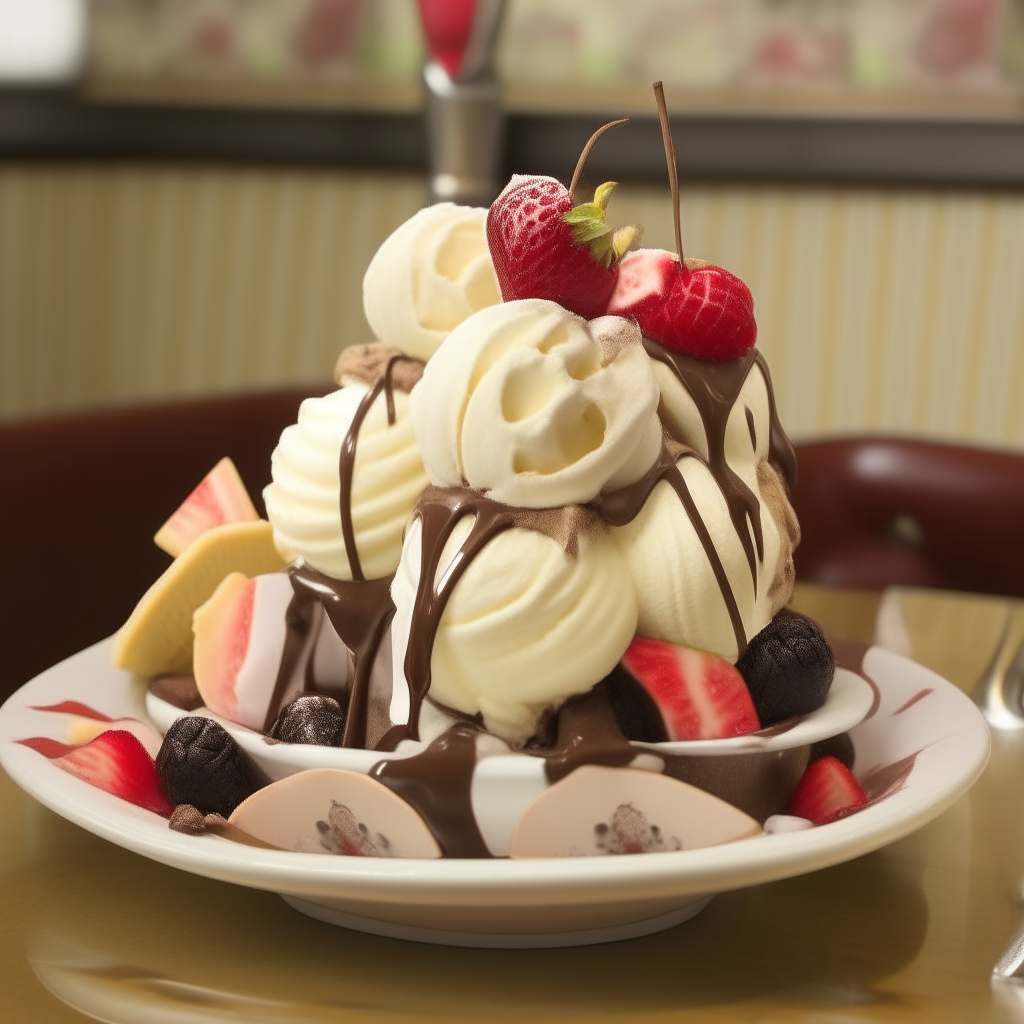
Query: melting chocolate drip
{"points": [[714, 388], [758, 782], [360, 614], [622, 506], [300, 617], [347, 459], [439, 510], [588, 733], [437, 783], [359, 610]]}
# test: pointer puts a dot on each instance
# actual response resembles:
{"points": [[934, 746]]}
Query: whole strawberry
{"points": [[545, 248], [692, 307]]}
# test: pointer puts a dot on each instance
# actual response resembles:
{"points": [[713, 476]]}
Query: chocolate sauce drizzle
{"points": [[621, 507], [359, 610], [347, 459], [714, 388], [437, 784], [439, 511]]}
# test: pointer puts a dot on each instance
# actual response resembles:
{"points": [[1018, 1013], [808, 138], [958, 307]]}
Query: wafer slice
{"points": [[157, 638]]}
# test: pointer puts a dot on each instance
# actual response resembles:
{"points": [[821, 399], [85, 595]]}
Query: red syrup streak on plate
{"points": [[46, 746], [73, 707], [447, 25], [920, 695]]}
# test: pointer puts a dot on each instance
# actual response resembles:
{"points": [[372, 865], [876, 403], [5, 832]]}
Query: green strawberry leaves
{"points": [[590, 228]]}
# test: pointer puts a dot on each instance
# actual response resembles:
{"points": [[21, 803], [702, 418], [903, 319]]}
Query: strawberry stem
{"points": [[591, 142], [670, 163]]}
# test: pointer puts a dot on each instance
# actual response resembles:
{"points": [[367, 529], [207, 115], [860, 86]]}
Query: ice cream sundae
{"points": [[535, 547]]}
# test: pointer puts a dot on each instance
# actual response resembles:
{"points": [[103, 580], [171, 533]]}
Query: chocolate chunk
{"points": [[188, 819], [635, 711], [181, 691], [788, 668], [200, 764], [310, 718], [840, 747]]}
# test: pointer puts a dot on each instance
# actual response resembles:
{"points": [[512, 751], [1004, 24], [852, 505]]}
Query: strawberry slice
{"points": [[695, 308], [543, 247], [116, 762], [826, 791], [700, 696]]}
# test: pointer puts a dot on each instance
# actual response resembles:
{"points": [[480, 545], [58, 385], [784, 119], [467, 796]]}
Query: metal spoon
{"points": [[999, 691]]}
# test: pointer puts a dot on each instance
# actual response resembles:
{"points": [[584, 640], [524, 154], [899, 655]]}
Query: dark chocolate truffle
{"points": [[788, 668], [200, 764], [310, 718]]}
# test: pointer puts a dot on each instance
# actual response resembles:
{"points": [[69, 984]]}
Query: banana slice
{"points": [[157, 638]]}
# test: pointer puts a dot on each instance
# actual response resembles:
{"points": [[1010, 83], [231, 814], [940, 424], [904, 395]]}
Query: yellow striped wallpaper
{"points": [[880, 310]]}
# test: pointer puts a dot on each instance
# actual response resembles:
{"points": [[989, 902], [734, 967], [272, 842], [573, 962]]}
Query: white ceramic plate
{"points": [[923, 723]]}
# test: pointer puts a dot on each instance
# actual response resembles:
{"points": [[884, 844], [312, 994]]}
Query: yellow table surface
{"points": [[909, 933]]}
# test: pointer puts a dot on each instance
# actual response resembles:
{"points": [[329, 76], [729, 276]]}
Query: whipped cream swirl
{"points": [[428, 276]]}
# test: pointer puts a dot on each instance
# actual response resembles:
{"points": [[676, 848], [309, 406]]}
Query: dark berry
{"points": [[840, 747], [310, 718], [788, 668], [637, 714], [200, 764]]}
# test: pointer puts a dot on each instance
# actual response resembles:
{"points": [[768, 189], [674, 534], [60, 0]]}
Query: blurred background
{"points": [[190, 190]]}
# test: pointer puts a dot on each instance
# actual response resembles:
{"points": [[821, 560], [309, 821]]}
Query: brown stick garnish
{"points": [[670, 163], [591, 142]]}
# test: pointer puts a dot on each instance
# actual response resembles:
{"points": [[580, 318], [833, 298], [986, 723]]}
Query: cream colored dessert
{"points": [[387, 478], [681, 597], [533, 406], [427, 277]]}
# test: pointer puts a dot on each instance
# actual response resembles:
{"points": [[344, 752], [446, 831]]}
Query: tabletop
{"points": [[908, 933]]}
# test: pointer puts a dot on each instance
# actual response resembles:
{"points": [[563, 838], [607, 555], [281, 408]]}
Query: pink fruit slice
{"points": [[598, 811], [220, 498], [826, 791], [330, 810], [700, 695], [240, 635], [115, 762], [222, 628]]}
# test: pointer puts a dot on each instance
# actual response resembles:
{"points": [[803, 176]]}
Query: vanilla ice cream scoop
{"points": [[528, 624], [711, 549], [536, 407], [429, 275], [304, 501]]}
